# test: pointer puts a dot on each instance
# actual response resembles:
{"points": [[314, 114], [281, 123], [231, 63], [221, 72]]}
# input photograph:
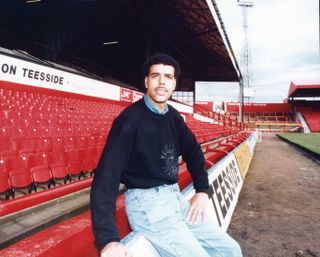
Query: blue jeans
{"points": [[159, 214]]}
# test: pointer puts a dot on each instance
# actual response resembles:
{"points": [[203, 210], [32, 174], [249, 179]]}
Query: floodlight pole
{"points": [[245, 50], [240, 116]]}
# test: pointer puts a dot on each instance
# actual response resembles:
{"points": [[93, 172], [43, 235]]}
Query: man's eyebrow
{"points": [[157, 73], [154, 73]]}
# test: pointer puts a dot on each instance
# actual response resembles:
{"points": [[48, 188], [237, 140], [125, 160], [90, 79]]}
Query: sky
{"points": [[284, 45]]}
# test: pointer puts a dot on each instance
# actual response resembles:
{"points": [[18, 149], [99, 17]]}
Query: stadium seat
{"points": [[184, 176], [21, 179], [5, 133], [213, 156], [89, 159], [41, 174], [7, 145], [75, 165], [5, 185], [59, 170], [42, 144]]}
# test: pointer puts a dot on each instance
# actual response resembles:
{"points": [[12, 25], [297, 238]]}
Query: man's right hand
{"points": [[115, 249]]}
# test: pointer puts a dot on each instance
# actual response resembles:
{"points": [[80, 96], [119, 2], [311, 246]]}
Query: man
{"points": [[142, 152]]}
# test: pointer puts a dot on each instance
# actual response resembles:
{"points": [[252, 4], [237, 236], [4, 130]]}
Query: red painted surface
{"points": [[33, 199], [69, 238], [206, 104], [72, 237]]}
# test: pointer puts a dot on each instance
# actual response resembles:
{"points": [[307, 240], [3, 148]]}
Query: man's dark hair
{"points": [[161, 58]]}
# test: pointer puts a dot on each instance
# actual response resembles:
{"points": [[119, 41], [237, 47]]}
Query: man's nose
{"points": [[161, 80]]}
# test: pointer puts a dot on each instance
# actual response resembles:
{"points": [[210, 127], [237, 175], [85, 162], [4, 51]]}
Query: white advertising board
{"points": [[31, 74]]}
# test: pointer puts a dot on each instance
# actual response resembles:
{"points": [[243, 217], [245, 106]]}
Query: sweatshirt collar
{"points": [[151, 106]]}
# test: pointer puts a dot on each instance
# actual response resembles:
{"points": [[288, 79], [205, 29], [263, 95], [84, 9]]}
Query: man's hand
{"points": [[115, 249], [198, 206]]}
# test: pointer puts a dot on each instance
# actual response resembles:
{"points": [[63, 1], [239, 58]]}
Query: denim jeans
{"points": [[159, 214]]}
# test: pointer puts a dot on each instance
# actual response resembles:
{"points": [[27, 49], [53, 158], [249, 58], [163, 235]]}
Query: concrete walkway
{"points": [[278, 213], [21, 224]]}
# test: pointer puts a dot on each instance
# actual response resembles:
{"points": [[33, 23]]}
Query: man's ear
{"points": [[146, 82]]}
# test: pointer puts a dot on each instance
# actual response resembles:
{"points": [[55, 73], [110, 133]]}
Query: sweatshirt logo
{"points": [[170, 161]]}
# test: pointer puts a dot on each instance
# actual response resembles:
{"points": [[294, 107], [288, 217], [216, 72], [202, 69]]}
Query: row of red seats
{"points": [[29, 168], [205, 131], [44, 138], [50, 132], [51, 143]]}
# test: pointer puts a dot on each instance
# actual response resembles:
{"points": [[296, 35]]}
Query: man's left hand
{"points": [[198, 206]]}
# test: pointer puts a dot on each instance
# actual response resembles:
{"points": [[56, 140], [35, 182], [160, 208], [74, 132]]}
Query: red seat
{"points": [[214, 155], [20, 133], [82, 141], [57, 143], [69, 142], [6, 157], [21, 178], [43, 144], [75, 165], [5, 122], [39, 158], [24, 144], [5, 133], [56, 156], [46, 132], [59, 170], [14, 161], [41, 174], [88, 158], [5, 186], [7, 145], [184, 176]]}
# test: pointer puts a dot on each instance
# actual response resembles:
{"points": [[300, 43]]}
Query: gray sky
{"points": [[284, 46]]}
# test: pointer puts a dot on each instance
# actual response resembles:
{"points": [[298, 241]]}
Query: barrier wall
{"points": [[74, 238]]}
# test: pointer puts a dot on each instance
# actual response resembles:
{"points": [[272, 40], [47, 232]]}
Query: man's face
{"points": [[160, 83]]}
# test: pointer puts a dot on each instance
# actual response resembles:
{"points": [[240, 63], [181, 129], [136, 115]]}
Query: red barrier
{"points": [[71, 238], [33, 199]]}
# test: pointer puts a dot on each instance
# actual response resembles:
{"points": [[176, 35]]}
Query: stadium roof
{"points": [[112, 38], [304, 90]]}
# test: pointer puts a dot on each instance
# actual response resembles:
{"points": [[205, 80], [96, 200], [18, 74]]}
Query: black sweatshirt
{"points": [[142, 151]]}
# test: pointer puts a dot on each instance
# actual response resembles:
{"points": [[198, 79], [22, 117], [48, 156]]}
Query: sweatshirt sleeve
{"points": [[106, 182], [193, 156]]}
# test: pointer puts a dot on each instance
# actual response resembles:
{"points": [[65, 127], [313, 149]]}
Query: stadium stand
{"points": [[313, 120], [48, 140], [304, 99], [266, 117]]}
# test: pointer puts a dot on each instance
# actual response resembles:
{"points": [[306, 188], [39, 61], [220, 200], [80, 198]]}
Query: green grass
{"points": [[310, 142]]}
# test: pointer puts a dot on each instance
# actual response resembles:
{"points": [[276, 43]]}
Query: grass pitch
{"points": [[309, 142]]}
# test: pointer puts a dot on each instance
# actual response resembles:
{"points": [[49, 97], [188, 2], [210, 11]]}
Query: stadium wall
{"points": [[74, 238], [259, 107]]}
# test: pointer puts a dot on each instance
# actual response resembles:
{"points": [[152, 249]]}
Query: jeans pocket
{"points": [[162, 211], [136, 216]]}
